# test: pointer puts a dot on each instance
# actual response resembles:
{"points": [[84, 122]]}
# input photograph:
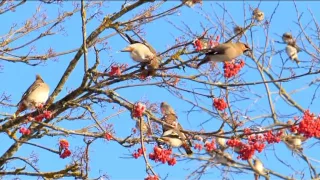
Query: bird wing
{"points": [[220, 49], [33, 86], [172, 135]]}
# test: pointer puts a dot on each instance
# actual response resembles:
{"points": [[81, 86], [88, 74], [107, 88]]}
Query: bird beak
{"points": [[127, 49], [250, 50]]}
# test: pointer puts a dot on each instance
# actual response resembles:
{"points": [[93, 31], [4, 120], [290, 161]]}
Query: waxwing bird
{"points": [[35, 95], [175, 138], [294, 142], [292, 52], [288, 39], [191, 3], [238, 30], [166, 109], [139, 51], [258, 168], [169, 116], [258, 15], [221, 141], [143, 53], [225, 52], [222, 158]]}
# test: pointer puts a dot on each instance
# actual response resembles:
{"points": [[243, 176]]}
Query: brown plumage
{"points": [[289, 40], [259, 168], [35, 95], [221, 141], [225, 52], [294, 142], [258, 15], [170, 117], [176, 138]]}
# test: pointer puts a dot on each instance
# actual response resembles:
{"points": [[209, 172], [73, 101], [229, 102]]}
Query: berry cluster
{"points": [[198, 147], [117, 69], [232, 68], [273, 138], [108, 136], [210, 146], [219, 104], [309, 126], [138, 110], [24, 131], [45, 114], [204, 44], [64, 148], [162, 155], [138, 153], [256, 142], [152, 178]]}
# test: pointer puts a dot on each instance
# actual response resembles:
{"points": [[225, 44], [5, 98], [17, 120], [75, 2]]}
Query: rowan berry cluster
{"points": [[232, 68], [198, 146], [255, 142], [152, 177], [138, 110], [210, 146], [24, 131], [64, 148], [116, 69], [309, 126], [108, 136], [45, 114], [219, 104], [138, 153], [162, 155], [201, 44]]}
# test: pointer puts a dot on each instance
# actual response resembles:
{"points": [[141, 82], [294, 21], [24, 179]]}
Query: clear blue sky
{"points": [[107, 156]]}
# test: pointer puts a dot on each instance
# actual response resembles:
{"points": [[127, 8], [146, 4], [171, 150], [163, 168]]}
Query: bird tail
{"points": [[203, 61], [187, 148], [129, 39]]}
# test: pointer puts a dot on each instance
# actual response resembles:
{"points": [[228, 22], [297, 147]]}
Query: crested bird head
{"points": [[244, 47], [287, 35], [38, 77], [128, 48]]}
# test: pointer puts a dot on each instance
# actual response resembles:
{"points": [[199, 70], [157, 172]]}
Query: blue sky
{"points": [[107, 156]]}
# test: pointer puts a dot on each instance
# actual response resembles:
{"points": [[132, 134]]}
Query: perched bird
{"points": [[221, 141], [292, 52], [225, 52], [35, 95], [258, 15], [289, 40], [191, 3], [258, 168], [175, 138], [169, 116], [143, 53], [238, 30], [294, 142], [223, 158], [139, 51]]}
